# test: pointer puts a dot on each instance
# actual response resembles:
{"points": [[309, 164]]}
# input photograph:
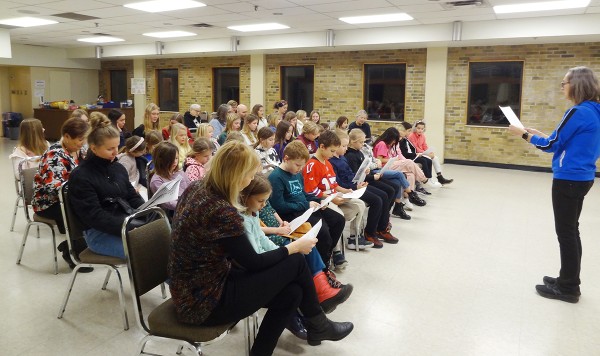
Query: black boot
{"points": [[399, 212], [413, 197], [64, 248], [443, 180], [320, 328]]}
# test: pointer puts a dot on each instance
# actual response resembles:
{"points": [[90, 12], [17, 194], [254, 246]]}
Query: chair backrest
{"points": [[150, 174], [26, 178], [147, 250], [73, 226]]}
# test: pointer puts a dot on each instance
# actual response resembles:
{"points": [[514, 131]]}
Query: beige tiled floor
{"points": [[460, 282]]}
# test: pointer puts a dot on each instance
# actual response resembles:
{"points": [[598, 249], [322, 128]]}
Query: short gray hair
{"points": [[196, 107], [361, 113]]}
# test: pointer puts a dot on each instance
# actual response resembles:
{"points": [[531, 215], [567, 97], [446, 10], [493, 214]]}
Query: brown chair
{"points": [[74, 230], [26, 179], [147, 250]]}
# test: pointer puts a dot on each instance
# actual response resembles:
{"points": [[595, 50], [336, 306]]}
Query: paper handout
{"points": [[388, 165], [355, 194], [167, 192], [294, 224], [328, 200], [360, 175], [512, 118], [313, 231]]}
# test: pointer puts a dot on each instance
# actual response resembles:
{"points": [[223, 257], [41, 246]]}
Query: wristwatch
{"points": [[525, 135]]}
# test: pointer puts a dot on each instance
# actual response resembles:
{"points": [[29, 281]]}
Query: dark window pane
{"points": [[226, 86], [118, 85], [493, 84], [168, 89], [385, 88], [298, 87]]}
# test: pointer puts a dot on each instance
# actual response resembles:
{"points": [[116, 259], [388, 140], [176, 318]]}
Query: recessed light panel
{"points": [[169, 34], [164, 5], [101, 39], [258, 27], [377, 18], [541, 6], [26, 22]]}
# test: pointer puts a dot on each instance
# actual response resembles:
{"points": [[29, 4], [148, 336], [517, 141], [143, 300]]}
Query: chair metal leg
{"points": [[122, 300], [38, 231], [54, 250], [247, 336], [12, 226], [25, 234], [163, 289], [179, 350], [254, 326], [109, 268], [61, 311], [142, 344]]}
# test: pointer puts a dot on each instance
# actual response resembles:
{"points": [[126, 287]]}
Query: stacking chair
{"points": [[86, 258], [19, 196], [26, 178], [147, 250]]}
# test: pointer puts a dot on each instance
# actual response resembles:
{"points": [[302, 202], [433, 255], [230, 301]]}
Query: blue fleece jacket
{"points": [[575, 143], [343, 172]]}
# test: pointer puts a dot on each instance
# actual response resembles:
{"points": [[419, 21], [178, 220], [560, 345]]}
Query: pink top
{"points": [[396, 152], [418, 141], [194, 170], [381, 149]]}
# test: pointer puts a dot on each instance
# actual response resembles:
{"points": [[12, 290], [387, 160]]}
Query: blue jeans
{"points": [[397, 178], [314, 261], [103, 243]]}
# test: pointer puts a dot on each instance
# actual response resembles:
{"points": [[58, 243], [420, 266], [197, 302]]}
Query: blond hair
{"points": [[231, 117], [301, 115], [356, 134], [148, 124], [251, 135], [31, 136], [296, 150], [173, 131], [310, 127], [231, 164], [203, 130]]}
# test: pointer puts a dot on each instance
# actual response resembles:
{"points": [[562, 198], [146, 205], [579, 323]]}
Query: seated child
{"points": [[310, 133], [417, 138], [410, 152], [265, 151], [283, 136], [166, 168], [180, 140], [151, 139], [290, 200], [377, 199], [195, 164], [233, 123], [135, 147]]}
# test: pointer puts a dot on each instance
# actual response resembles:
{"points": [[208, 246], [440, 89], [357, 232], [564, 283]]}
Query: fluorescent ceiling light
{"points": [[100, 39], [164, 5], [26, 22], [258, 27], [169, 34], [541, 6], [377, 18]]}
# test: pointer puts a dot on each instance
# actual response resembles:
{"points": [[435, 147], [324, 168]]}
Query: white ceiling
{"points": [[303, 16]]}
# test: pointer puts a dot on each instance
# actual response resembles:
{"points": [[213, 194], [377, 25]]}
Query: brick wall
{"points": [[542, 104], [339, 80]]}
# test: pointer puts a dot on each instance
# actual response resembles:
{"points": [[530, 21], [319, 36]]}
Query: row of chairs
{"points": [[147, 255]]}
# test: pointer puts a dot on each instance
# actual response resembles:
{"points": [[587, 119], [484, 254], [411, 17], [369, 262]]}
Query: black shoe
{"points": [[443, 180], [551, 281], [414, 198], [319, 328], [422, 191], [552, 292], [296, 327], [64, 248], [399, 212]]}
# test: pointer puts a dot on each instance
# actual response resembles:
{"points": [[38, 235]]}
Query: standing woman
{"points": [[96, 187], [575, 144], [208, 232]]}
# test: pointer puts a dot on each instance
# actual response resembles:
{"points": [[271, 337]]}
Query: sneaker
{"points": [[407, 204], [399, 212], [551, 281], [434, 184], [553, 292], [414, 198], [387, 237], [374, 240], [443, 180], [339, 260], [422, 190], [361, 241], [296, 326]]}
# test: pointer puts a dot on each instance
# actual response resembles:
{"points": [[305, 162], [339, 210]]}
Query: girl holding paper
{"points": [[575, 144]]}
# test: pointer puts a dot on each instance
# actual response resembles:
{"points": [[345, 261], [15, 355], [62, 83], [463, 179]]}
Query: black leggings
{"points": [[426, 165], [389, 188], [282, 288], [330, 233], [53, 212], [379, 213]]}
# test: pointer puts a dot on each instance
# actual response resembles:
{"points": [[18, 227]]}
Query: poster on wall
{"points": [[138, 85], [38, 90]]}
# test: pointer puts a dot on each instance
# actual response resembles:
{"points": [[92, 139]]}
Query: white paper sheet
{"points": [[510, 115], [355, 194], [167, 192], [313, 231], [328, 200], [388, 165], [294, 224], [360, 175]]}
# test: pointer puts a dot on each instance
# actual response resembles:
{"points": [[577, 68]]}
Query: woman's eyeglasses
{"points": [[562, 84]]}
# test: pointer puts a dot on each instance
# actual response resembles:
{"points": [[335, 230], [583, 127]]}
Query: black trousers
{"points": [[53, 212], [567, 202], [282, 288], [379, 213], [391, 189], [330, 233], [426, 164]]}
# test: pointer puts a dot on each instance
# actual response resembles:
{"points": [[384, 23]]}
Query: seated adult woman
{"points": [[117, 118], [208, 289], [56, 166], [97, 185]]}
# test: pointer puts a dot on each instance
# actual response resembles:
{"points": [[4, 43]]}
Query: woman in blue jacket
{"points": [[575, 144]]}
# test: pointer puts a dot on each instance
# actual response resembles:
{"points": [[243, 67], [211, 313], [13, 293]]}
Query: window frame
{"points": [[365, 88], [110, 76], [281, 86], [469, 93], [163, 106], [214, 86]]}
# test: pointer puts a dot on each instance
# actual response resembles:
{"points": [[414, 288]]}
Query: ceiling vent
{"points": [[202, 25], [75, 16], [463, 4]]}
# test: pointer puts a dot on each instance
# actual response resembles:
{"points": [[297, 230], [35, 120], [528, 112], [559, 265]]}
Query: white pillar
{"points": [[435, 98], [257, 79], [139, 100]]}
